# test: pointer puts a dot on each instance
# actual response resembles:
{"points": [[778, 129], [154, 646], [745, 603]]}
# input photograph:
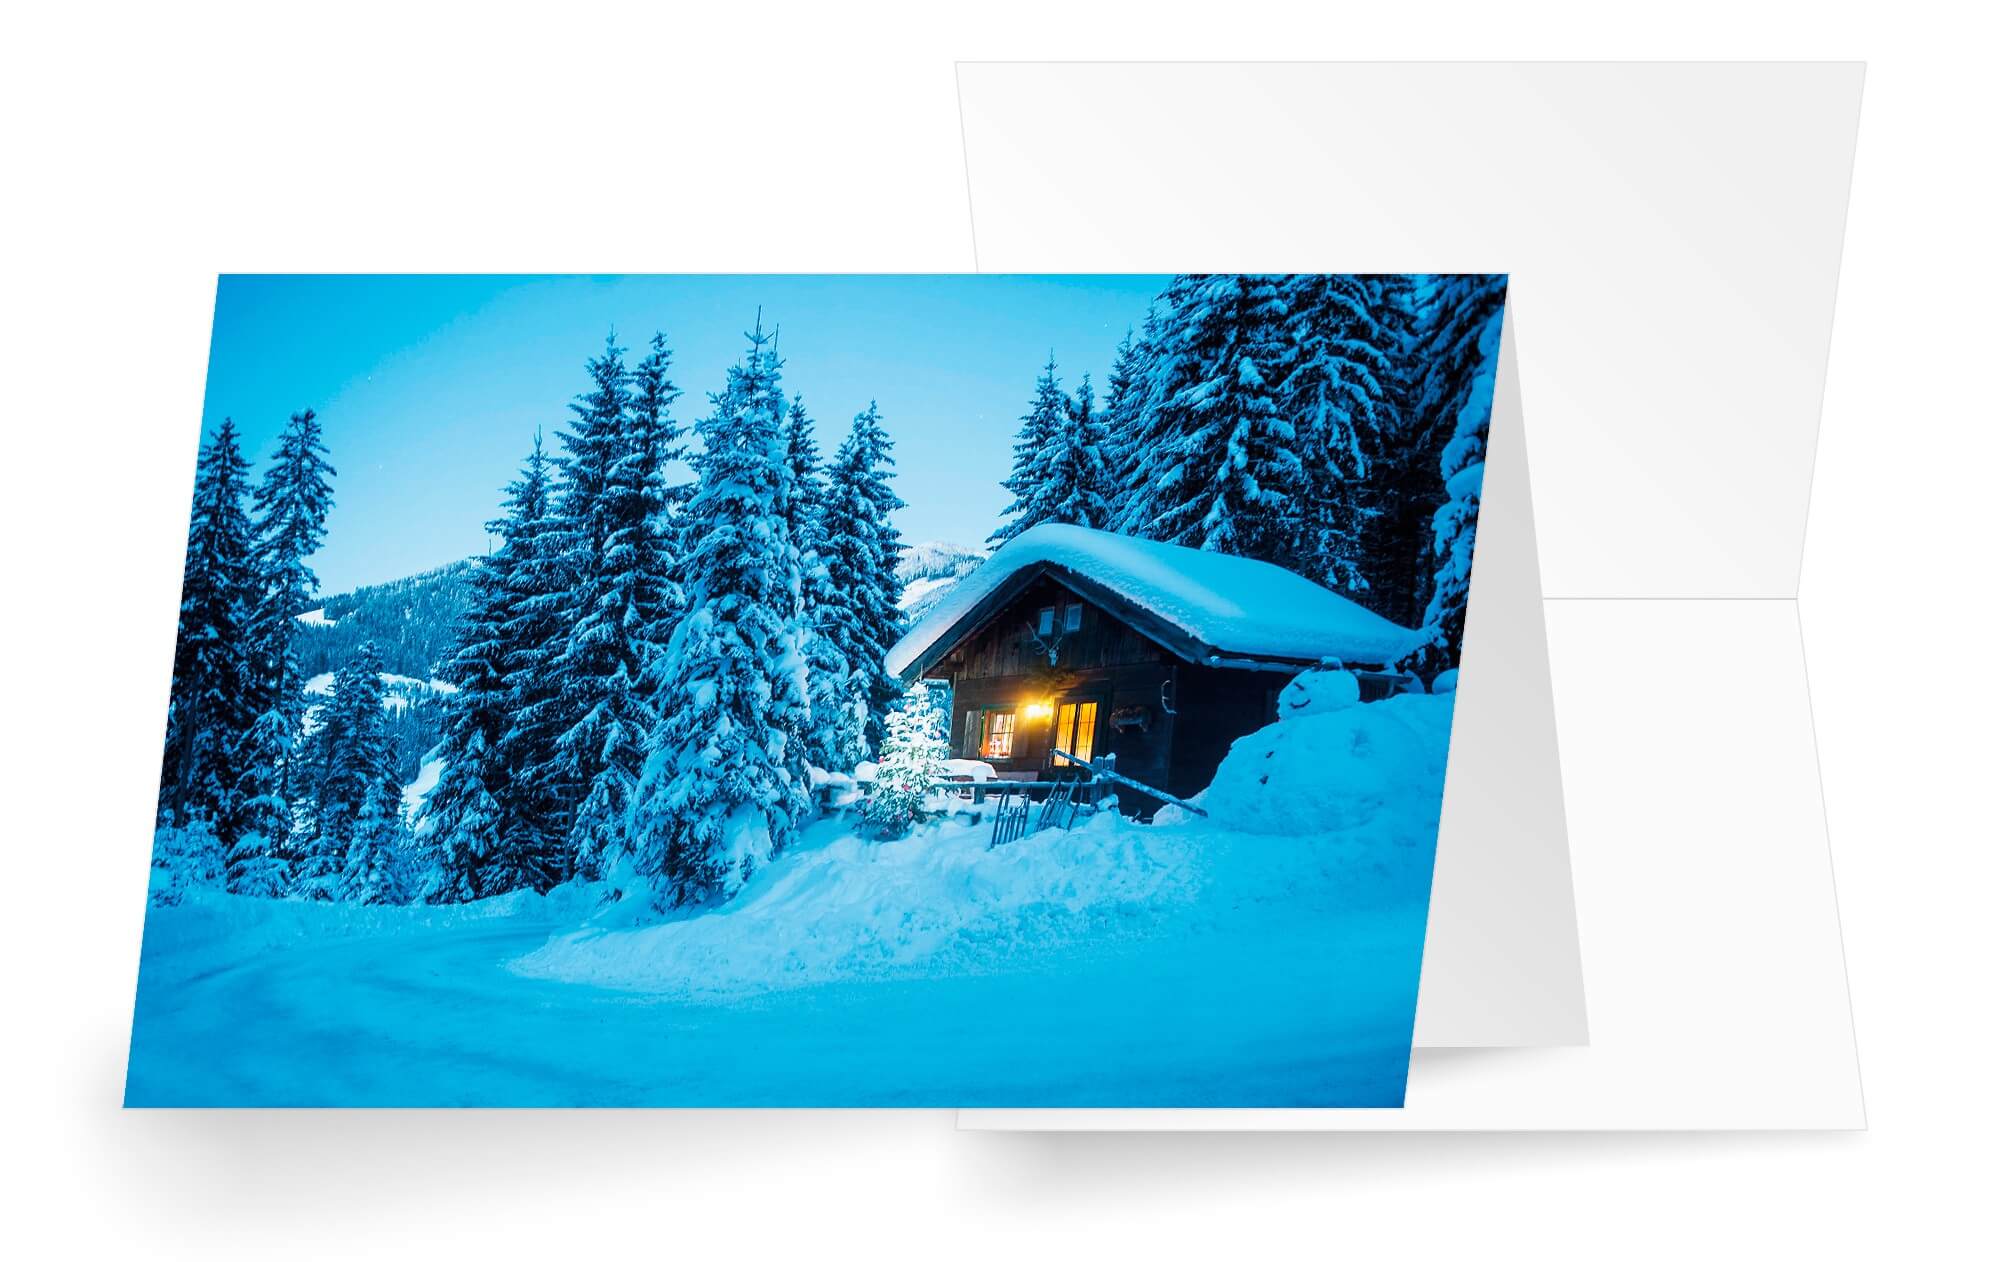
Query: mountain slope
{"points": [[929, 570], [413, 622]]}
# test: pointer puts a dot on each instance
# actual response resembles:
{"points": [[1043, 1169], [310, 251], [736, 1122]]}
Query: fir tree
{"points": [[534, 631], [625, 594], [1342, 397], [376, 866], [839, 710], [807, 501], [212, 705], [641, 539], [1076, 479], [186, 856], [478, 825], [1221, 463], [724, 783], [575, 668], [356, 758], [1135, 418], [913, 758], [862, 548], [1461, 354], [1122, 397], [292, 503], [1041, 428], [258, 864]]}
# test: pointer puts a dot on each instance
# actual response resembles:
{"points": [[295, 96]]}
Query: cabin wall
{"points": [[1216, 708]]}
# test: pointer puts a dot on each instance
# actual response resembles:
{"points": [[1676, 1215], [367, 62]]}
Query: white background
{"points": [[146, 151]]}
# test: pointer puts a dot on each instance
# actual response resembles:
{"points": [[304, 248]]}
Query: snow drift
{"points": [[1360, 769], [1313, 818]]}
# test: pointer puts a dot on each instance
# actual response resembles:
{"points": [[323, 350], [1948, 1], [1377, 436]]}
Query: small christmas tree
{"points": [[913, 756]]}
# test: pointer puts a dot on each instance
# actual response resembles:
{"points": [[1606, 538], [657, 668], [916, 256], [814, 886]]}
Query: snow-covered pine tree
{"points": [[724, 783], [1122, 396], [626, 596], [1076, 478], [1137, 420], [913, 758], [1461, 352], [655, 441], [477, 826], [534, 632], [185, 857], [1342, 396], [355, 757], [376, 871], [807, 500], [258, 859], [1221, 460], [212, 705], [575, 667], [1041, 427], [862, 547], [839, 711], [292, 503]]}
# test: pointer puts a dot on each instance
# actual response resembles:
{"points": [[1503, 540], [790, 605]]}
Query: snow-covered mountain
{"points": [[413, 622], [929, 570]]}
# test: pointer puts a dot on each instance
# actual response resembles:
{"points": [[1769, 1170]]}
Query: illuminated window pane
{"points": [[1086, 730], [1046, 624], [999, 741], [1072, 617], [1076, 728]]}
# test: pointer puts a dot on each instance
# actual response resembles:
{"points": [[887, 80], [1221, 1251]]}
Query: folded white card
{"points": [[1672, 233]]}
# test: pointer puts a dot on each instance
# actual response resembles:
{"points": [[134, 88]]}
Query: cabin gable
{"points": [[1048, 627], [1047, 667]]}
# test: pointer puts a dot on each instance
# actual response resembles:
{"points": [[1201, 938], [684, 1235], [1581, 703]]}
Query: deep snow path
{"points": [[435, 1017]]}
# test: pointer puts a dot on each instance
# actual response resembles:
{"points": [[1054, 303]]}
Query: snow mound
{"points": [[1310, 820], [1231, 604], [840, 906], [1376, 770]]}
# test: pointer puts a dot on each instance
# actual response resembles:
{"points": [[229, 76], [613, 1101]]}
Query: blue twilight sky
{"points": [[431, 387]]}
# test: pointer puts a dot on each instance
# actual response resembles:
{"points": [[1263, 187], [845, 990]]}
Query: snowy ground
{"points": [[1180, 963]]}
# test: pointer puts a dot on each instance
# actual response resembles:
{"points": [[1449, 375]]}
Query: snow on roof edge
{"points": [[1233, 604]]}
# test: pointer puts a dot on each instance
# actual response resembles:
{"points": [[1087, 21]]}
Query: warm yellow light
{"points": [[1039, 710]]}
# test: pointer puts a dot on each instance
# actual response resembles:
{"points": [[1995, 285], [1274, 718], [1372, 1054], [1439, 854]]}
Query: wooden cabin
{"points": [[1090, 643]]}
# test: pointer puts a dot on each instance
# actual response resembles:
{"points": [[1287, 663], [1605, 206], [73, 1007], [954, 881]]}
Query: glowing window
{"points": [[1076, 728], [1072, 617], [997, 740]]}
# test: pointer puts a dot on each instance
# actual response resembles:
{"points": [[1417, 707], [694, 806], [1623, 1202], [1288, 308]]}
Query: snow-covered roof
{"points": [[1230, 605]]}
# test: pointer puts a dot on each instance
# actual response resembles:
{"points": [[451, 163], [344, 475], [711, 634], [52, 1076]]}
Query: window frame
{"points": [[1066, 740], [987, 714]]}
